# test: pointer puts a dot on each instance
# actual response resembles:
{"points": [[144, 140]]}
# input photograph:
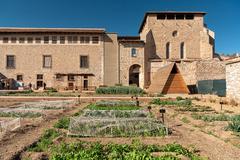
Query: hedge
{"points": [[120, 90]]}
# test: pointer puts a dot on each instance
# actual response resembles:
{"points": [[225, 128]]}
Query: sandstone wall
{"points": [[233, 81], [65, 59]]}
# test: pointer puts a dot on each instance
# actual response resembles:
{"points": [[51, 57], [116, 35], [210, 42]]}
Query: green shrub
{"points": [[63, 123], [179, 98], [51, 90], [234, 126], [45, 141], [120, 90], [158, 101]]}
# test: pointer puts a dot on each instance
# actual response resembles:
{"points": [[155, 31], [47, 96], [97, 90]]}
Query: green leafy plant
{"points": [[120, 90], [45, 141], [158, 101], [63, 123]]}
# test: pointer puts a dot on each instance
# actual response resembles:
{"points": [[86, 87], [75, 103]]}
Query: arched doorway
{"points": [[134, 72]]}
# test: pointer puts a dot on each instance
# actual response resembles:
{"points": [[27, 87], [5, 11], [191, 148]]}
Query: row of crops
{"points": [[115, 119]]}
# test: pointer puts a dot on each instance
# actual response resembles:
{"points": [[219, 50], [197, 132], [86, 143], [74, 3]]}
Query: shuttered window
{"points": [[84, 62], [47, 61]]}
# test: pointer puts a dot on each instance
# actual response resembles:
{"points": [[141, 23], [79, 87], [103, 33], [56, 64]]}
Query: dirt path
{"points": [[21, 139]]}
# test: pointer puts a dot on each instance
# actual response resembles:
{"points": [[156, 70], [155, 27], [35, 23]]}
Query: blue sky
{"points": [[122, 16]]}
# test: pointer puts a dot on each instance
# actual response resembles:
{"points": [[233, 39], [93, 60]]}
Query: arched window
{"points": [[168, 49], [182, 50], [134, 52]]}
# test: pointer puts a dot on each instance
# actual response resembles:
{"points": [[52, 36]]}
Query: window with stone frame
{"points": [[54, 39], [29, 40], [46, 39], [21, 40], [47, 61], [71, 77], [84, 39], [59, 77], [5, 39], [13, 40], [84, 62], [95, 40], [10, 64], [134, 52], [62, 39], [38, 40], [19, 77]]}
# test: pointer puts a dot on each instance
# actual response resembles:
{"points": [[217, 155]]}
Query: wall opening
{"points": [[134, 72]]}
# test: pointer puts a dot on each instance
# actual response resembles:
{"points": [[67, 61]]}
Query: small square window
{"points": [[19, 77], [84, 39], [13, 40], [54, 39], [75, 39], [46, 40], [37, 40], [30, 40], [71, 78], [62, 40], [180, 16], [5, 39], [59, 77], [21, 40], [39, 76], [95, 40]]}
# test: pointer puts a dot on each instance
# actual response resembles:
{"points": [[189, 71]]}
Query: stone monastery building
{"points": [[174, 50]]}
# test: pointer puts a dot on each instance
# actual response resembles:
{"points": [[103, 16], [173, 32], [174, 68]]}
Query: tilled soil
{"points": [[16, 142]]}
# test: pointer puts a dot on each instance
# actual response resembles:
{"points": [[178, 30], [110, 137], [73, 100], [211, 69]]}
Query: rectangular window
{"points": [[30, 40], [13, 40], [84, 62], [62, 40], [46, 40], [39, 76], [71, 78], [189, 16], [47, 61], [10, 61], [5, 39], [19, 77], [84, 39], [37, 40], [95, 40], [75, 39], [59, 77], [70, 39], [180, 16], [21, 40], [161, 16], [134, 52], [54, 39], [170, 16]]}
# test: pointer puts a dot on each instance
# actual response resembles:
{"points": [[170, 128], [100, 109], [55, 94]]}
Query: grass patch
{"points": [[185, 120], [217, 117], [62, 123], [45, 141]]}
